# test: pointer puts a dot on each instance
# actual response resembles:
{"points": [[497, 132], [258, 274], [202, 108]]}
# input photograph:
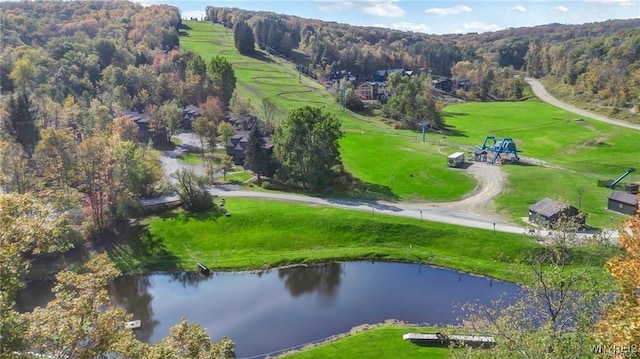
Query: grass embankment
{"points": [[266, 234], [380, 342], [394, 164]]}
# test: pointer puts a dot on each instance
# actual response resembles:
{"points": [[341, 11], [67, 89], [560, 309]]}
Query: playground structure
{"points": [[504, 146], [612, 184]]}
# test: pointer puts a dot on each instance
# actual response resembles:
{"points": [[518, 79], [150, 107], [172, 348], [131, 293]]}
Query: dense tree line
{"points": [[332, 46], [599, 61], [70, 166]]}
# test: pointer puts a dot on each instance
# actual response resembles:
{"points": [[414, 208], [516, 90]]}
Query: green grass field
{"points": [[394, 163], [263, 234], [397, 165], [380, 342], [579, 153]]}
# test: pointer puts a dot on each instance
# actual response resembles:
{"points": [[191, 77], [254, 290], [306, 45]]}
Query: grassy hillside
{"points": [[265, 234], [395, 163], [398, 165]]}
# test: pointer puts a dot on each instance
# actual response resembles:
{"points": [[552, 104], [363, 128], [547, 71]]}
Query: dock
{"points": [[443, 340]]}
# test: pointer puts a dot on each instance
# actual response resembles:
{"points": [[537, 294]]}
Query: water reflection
{"points": [[273, 310], [189, 279], [132, 293], [323, 279]]}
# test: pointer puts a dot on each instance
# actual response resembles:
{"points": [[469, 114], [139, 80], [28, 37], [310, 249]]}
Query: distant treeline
{"points": [[598, 60]]}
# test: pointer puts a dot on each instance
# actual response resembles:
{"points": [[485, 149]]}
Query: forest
{"points": [[71, 166], [599, 61]]}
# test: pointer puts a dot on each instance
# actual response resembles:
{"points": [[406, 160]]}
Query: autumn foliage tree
{"points": [[620, 324], [14, 167], [557, 309], [26, 229], [95, 176], [91, 326], [81, 322]]}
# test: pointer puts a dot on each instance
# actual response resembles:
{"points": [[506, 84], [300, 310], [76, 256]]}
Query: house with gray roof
{"points": [[622, 202], [548, 213]]}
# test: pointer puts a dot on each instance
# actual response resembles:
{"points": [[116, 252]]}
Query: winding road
{"points": [[475, 210], [542, 93]]}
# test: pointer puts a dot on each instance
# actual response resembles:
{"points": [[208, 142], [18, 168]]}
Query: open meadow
{"points": [[395, 163], [568, 156]]}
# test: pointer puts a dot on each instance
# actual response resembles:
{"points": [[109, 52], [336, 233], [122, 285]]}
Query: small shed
{"points": [[547, 212], [623, 202], [480, 155]]}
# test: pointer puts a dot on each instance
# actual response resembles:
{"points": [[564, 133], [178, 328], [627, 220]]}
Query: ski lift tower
{"points": [[504, 146]]}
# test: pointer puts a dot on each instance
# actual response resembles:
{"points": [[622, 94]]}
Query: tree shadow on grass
{"points": [[260, 56], [135, 249], [450, 130], [454, 114]]}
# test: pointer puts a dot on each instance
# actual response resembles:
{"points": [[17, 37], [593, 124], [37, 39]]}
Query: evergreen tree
{"points": [[256, 159], [20, 123], [243, 38]]}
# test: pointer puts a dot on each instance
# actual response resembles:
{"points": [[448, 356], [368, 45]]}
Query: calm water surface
{"points": [[278, 309]]}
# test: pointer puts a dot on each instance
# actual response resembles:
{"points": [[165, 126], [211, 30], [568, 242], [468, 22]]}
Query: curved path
{"points": [[475, 210], [540, 91]]}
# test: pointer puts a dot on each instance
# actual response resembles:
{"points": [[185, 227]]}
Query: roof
{"points": [[624, 197], [135, 116], [548, 207]]}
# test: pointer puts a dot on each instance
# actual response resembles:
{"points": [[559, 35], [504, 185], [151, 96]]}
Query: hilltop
{"points": [[595, 63]]}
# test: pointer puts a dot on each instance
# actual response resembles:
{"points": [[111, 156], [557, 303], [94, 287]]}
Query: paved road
{"points": [[540, 91], [472, 211]]}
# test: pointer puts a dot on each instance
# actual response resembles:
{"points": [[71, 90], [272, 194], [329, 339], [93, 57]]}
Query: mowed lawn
{"points": [[575, 154], [262, 234], [397, 165], [392, 162], [380, 342]]}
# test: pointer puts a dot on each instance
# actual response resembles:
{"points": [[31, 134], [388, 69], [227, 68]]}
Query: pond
{"points": [[283, 308]]}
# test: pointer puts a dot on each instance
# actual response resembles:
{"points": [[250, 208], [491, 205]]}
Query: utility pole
{"points": [[299, 73], [424, 130], [344, 100]]}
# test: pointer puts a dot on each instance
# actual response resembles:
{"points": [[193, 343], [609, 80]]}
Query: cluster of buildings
{"points": [[548, 212], [374, 86], [236, 147]]}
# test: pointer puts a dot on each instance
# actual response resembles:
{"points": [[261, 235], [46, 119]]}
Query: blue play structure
{"points": [[504, 146]]}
